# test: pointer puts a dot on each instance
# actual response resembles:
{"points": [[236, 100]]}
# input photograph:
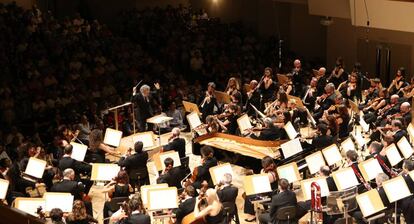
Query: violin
{"points": [[192, 179]]}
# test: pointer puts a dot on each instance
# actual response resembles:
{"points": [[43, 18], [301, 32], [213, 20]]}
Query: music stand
{"points": [[222, 97], [115, 110], [393, 155], [78, 151], [190, 107], [29, 205], [195, 122], [112, 137], [160, 157], [347, 145], [4, 186], [410, 130], [315, 161], [290, 130], [158, 120], [332, 154], [104, 171], [345, 178], [290, 172], [342, 202], [370, 169], [291, 148], [370, 203], [217, 172], [145, 188], [396, 189], [405, 147], [35, 168], [257, 184], [147, 139], [244, 123], [162, 200], [64, 201]]}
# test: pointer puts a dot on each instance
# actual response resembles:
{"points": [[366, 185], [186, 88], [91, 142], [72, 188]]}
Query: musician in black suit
{"points": [[227, 194], [142, 101], [136, 163], [374, 150], [322, 140], [325, 101], [209, 105], [310, 93], [171, 175], [283, 199], [208, 161], [325, 171], [137, 213], [176, 143], [67, 162], [397, 128], [186, 205], [253, 98], [69, 185], [270, 132], [408, 166]]}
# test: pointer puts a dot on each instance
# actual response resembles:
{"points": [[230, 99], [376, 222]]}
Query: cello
{"points": [[190, 218]]}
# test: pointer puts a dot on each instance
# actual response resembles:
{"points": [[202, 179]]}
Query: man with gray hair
{"points": [[269, 133], [69, 185], [379, 179], [176, 143], [227, 194], [325, 101], [142, 101]]}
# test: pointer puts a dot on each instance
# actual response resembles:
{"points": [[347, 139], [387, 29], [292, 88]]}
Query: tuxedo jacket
{"points": [[184, 209], [177, 145]]}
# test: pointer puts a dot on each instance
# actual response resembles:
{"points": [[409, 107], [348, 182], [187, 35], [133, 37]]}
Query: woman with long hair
{"points": [[233, 86], [79, 215], [98, 149], [213, 213]]}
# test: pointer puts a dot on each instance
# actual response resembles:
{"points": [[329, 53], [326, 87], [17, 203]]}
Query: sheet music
{"points": [[410, 130], [347, 145], [64, 201], [366, 205], [35, 167], [244, 123], [405, 147], [173, 155], [359, 139], [314, 162], [29, 205], [4, 186], [396, 189], [162, 199], [145, 188], [364, 125], [78, 151], [393, 155], [288, 173], [112, 137], [372, 168], [219, 172], [290, 130], [291, 148], [104, 172], [307, 187], [193, 120], [146, 138], [261, 184], [332, 155], [346, 179]]}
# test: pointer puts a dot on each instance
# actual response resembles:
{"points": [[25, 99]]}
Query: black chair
{"points": [[138, 177], [231, 212], [185, 167], [286, 214], [116, 203]]}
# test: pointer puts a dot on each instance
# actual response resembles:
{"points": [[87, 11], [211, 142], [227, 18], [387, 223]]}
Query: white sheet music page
{"points": [[58, 200], [372, 168], [35, 167], [79, 151], [4, 186], [244, 123], [291, 148], [347, 178], [221, 170], [147, 139], [288, 173], [290, 130], [332, 155], [405, 147], [347, 145], [396, 189], [162, 199], [112, 137], [393, 155], [366, 205], [30, 206], [194, 120], [173, 155], [315, 161], [261, 184], [106, 173]]}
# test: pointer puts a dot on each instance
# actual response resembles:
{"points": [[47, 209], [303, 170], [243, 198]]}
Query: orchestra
{"points": [[322, 106]]}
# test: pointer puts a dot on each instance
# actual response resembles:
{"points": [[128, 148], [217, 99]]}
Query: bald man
{"points": [[299, 78], [321, 81]]}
